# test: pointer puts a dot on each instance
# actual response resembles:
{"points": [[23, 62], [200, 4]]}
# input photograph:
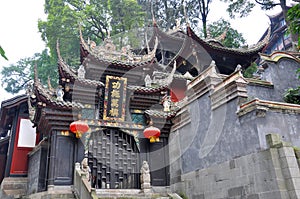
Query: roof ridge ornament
{"points": [[153, 17], [185, 15]]}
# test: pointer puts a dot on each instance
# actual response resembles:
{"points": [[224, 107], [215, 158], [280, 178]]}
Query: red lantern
{"points": [[79, 127], [152, 133]]}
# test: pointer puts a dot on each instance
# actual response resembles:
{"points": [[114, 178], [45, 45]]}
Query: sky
{"points": [[19, 35]]}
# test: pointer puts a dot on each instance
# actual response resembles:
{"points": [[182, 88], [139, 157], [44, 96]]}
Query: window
{"points": [[27, 135]]}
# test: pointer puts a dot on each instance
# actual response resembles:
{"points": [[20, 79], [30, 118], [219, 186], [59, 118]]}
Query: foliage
{"points": [[15, 76], [95, 17], [292, 95], [183, 195], [244, 7], [62, 24], [166, 12], [233, 39], [2, 53], [293, 15], [248, 73]]}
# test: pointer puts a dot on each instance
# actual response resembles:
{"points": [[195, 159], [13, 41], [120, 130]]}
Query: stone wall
{"points": [[272, 173], [217, 145], [282, 75]]}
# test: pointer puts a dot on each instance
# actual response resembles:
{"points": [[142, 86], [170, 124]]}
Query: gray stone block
{"points": [[288, 162], [198, 196], [236, 191], [291, 172], [232, 164], [273, 139], [294, 194], [292, 184], [286, 152], [253, 196], [271, 195]]}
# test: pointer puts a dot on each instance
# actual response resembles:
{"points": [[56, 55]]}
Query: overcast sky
{"points": [[19, 35]]}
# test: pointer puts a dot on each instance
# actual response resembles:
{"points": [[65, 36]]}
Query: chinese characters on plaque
{"points": [[115, 98]]}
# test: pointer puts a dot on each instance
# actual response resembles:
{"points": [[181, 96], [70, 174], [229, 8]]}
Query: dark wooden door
{"points": [[158, 162], [113, 157]]}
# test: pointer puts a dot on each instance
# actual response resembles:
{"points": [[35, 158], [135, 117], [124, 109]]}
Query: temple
{"points": [[180, 107]]}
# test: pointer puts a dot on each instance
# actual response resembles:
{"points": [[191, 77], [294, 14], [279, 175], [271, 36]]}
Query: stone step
{"points": [[50, 196], [129, 193], [14, 187]]}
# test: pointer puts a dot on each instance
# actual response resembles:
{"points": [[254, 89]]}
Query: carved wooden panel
{"points": [[113, 159]]}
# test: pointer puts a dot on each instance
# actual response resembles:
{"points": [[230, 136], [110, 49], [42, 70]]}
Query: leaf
{"points": [[2, 53]]}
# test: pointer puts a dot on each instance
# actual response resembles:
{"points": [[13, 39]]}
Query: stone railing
{"points": [[82, 186]]}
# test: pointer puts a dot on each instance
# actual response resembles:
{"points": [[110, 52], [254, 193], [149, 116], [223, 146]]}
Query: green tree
{"points": [[232, 38], [96, 17], [293, 16], [16, 76], [167, 11], [62, 24]]}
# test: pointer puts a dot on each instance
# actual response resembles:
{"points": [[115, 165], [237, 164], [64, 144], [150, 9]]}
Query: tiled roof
{"points": [[49, 97], [66, 69], [142, 89], [240, 51], [108, 54], [161, 114]]}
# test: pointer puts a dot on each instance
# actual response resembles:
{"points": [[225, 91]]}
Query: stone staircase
{"points": [[13, 187], [156, 193], [59, 192]]}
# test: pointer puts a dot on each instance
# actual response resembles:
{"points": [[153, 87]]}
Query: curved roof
{"points": [[65, 71], [108, 54], [239, 51]]}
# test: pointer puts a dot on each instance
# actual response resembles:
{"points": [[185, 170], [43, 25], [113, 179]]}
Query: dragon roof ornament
{"points": [[108, 52], [65, 68]]}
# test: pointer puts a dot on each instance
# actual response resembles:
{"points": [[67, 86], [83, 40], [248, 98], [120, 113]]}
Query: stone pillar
{"points": [[286, 158]]}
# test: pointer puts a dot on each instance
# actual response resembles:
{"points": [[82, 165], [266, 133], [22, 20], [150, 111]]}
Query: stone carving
{"points": [[30, 96], [166, 81], [81, 72], [238, 68], [108, 51], [178, 25], [148, 81], [145, 177], [85, 169], [59, 94], [166, 103]]}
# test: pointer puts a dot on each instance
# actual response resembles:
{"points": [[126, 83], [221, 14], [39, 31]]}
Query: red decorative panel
{"points": [[19, 156]]}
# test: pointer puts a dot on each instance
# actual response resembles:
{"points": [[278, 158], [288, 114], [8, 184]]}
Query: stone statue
{"points": [[145, 177], [177, 24], [81, 72], [148, 81], [166, 103], [59, 94], [238, 68], [85, 169]]}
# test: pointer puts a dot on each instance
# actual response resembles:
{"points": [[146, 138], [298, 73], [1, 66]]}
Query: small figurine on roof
{"points": [[166, 101]]}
